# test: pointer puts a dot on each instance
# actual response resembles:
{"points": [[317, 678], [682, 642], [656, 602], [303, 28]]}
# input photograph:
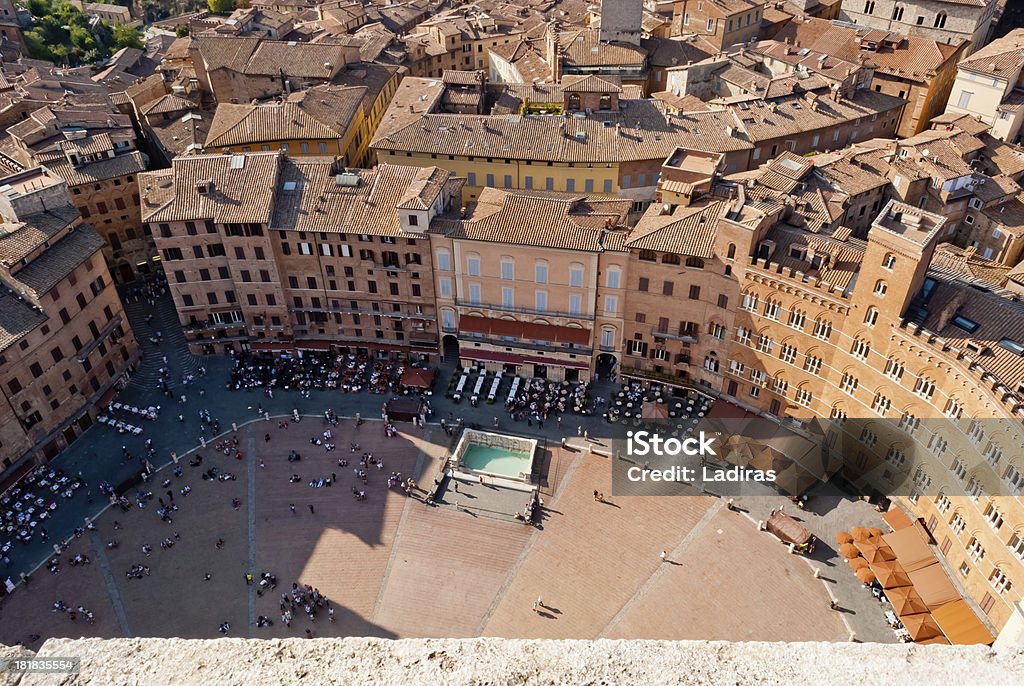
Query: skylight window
{"points": [[1012, 345], [968, 325]]}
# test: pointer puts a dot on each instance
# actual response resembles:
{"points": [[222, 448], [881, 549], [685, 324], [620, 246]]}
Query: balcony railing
{"points": [[359, 311], [528, 345], [524, 310], [104, 333], [685, 338]]}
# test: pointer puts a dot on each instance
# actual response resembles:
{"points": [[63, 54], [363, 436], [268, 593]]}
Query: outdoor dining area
{"points": [[318, 370], [920, 602], [26, 506], [126, 426], [533, 395], [640, 401]]}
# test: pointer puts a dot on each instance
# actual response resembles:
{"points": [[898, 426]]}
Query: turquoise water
{"points": [[484, 458]]}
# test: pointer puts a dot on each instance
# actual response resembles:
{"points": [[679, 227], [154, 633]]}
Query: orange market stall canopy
{"points": [[421, 379], [960, 625], [653, 410]]}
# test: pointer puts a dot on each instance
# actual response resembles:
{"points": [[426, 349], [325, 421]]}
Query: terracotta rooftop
{"points": [[912, 58], [22, 238], [322, 113], [60, 259], [1002, 58], [541, 219], [222, 188], [686, 230]]}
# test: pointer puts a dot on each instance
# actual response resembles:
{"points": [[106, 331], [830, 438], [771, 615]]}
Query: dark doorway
{"points": [[572, 375], [540, 371], [126, 273], [450, 348], [605, 365]]}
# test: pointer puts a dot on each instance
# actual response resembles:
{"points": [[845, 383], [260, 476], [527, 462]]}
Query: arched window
{"points": [[889, 261], [695, 262], [448, 320], [731, 253], [670, 258], [940, 20], [897, 13], [607, 338], [894, 368], [871, 318], [574, 101], [881, 287], [869, 7], [711, 362], [648, 256], [606, 102], [924, 387]]}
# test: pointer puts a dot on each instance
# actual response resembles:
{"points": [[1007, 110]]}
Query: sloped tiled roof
{"points": [[242, 190], [1002, 58], [60, 259], [687, 230], [29, 234], [548, 220]]}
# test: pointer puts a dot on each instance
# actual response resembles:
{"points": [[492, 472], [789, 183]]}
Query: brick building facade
{"points": [[66, 345]]}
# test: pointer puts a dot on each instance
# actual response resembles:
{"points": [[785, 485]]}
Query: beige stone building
{"points": [[990, 86], [950, 21], [235, 69], [65, 344], [533, 283], [550, 137], [268, 252]]}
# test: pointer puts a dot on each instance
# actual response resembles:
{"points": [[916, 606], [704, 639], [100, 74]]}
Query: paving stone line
{"points": [[513, 571], [108, 579], [676, 552], [250, 459]]}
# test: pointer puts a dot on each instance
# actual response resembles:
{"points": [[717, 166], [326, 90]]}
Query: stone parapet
{"points": [[230, 661]]}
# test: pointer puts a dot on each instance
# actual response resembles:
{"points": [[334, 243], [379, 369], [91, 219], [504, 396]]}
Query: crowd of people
{"points": [[539, 399], [311, 370]]}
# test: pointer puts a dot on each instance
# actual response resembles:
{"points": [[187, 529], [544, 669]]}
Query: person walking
{"points": [[664, 556], [291, 506], [311, 510]]}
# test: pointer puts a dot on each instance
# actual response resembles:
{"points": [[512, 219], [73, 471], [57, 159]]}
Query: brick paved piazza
{"points": [[395, 567]]}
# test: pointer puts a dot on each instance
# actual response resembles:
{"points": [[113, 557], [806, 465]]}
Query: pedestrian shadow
{"points": [[673, 563], [553, 610], [610, 503], [545, 615]]}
